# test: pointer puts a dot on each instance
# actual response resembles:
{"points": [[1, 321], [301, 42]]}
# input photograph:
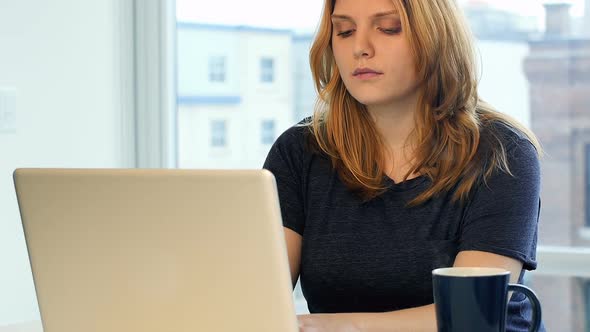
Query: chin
{"points": [[371, 100]]}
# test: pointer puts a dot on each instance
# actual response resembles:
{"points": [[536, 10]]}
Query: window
{"points": [[520, 75], [267, 70], [218, 133], [268, 132], [217, 69], [587, 181]]}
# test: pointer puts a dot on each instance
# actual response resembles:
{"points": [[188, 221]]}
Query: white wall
{"points": [[60, 56]]}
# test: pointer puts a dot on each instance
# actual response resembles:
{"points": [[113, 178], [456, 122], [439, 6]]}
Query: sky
{"points": [[304, 14]]}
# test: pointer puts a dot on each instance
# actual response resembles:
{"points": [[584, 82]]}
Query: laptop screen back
{"points": [[156, 250]]}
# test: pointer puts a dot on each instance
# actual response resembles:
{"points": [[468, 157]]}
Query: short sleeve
{"points": [[503, 213], [285, 162]]}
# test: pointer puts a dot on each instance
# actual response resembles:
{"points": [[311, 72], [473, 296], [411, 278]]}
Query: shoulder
{"points": [[504, 133], [509, 139], [296, 134], [295, 139], [290, 147], [514, 156]]}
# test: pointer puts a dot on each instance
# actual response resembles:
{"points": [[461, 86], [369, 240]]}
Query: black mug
{"points": [[475, 299]]}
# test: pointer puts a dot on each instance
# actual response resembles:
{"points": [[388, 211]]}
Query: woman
{"points": [[401, 170]]}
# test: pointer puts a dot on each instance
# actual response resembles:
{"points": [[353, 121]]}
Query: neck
{"points": [[395, 122]]}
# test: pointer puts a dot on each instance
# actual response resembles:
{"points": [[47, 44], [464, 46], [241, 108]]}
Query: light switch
{"points": [[7, 110]]}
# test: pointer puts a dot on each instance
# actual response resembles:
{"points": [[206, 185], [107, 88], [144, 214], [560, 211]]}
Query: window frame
{"points": [[586, 177], [267, 70], [154, 110], [581, 189], [218, 134], [217, 69], [587, 303]]}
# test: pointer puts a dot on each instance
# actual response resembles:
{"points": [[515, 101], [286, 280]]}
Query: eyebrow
{"points": [[378, 15]]}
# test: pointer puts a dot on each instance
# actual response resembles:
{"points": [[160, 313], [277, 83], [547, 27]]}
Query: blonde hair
{"points": [[450, 117]]}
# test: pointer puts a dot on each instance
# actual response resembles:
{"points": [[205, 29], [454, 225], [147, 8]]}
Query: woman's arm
{"points": [[413, 319], [293, 241]]}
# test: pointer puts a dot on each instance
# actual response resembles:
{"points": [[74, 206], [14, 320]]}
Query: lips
{"points": [[366, 73], [360, 71]]}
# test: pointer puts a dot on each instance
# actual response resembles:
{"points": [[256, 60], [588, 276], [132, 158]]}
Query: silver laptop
{"points": [[115, 250]]}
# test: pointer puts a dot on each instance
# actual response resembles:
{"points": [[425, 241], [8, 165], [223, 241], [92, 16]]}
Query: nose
{"points": [[363, 45]]}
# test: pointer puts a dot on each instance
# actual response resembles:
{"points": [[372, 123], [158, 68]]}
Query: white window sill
{"points": [[563, 261]]}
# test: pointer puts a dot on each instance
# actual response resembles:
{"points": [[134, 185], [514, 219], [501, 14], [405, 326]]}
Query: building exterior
{"points": [[558, 69], [235, 94]]}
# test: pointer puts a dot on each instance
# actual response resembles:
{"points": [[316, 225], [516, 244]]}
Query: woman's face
{"points": [[372, 52]]}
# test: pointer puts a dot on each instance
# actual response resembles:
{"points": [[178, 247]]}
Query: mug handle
{"points": [[534, 301]]}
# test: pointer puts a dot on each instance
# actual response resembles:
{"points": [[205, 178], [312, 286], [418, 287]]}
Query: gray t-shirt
{"points": [[377, 256]]}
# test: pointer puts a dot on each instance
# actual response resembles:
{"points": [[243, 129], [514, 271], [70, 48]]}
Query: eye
{"points": [[345, 34], [391, 31]]}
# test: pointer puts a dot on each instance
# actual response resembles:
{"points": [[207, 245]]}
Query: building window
{"points": [[587, 183], [268, 132], [218, 133], [267, 71], [217, 69]]}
